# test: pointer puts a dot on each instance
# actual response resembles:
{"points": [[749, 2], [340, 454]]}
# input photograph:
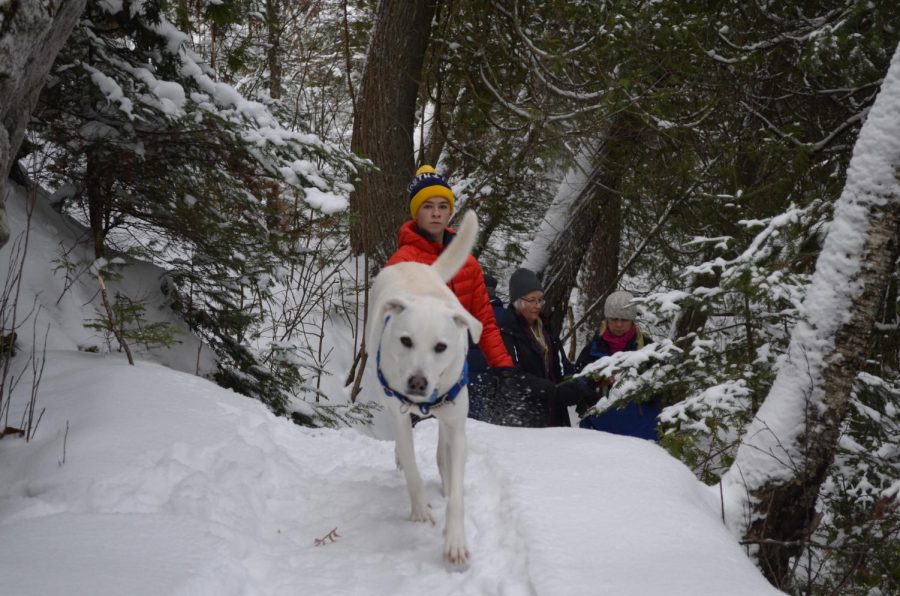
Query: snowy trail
{"points": [[172, 485], [256, 499]]}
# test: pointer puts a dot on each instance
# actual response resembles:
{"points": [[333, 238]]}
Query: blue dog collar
{"points": [[434, 399]]}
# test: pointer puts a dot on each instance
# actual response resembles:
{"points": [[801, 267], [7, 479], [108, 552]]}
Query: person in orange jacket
{"points": [[423, 238]]}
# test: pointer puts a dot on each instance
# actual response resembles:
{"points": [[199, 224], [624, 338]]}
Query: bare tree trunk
{"points": [[383, 127], [97, 190], [183, 16], [887, 342], [594, 229], [567, 253], [213, 41], [31, 35], [774, 482], [273, 54], [601, 263], [448, 94]]}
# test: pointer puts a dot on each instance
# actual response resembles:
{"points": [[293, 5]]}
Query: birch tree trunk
{"points": [[771, 489], [31, 34], [566, 255], [586, 244], [383, 127]]}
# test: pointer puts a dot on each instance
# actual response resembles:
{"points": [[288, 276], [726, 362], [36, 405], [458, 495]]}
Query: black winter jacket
{"points": [[527, 354], [532, 391]]}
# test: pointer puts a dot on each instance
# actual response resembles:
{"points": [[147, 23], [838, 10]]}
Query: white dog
{"points": [[418, 332]]}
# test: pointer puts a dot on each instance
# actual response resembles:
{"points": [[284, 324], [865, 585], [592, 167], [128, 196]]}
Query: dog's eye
{"points": [[440, 347], [406, 341]]}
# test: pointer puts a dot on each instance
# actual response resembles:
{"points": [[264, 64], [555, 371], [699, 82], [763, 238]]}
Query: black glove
{"points": [[504, 372], [587, 395], [506, 380], [574, 391]]}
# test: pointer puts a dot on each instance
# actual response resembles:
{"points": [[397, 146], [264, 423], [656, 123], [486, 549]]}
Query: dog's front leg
{"points": [[406, 457], [443, 460], [455, 549]]}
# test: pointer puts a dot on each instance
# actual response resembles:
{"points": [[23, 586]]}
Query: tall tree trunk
{"points": [[601, 263], [447, 93], [273, 54], [31, 35], [96, 189], [566, 254], [887, 343], [213, 41], [593, 227], [772, 487], [383, 127], [183, 16]]}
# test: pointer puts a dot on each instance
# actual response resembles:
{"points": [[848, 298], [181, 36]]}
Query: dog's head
{"points": [[423, 344]]}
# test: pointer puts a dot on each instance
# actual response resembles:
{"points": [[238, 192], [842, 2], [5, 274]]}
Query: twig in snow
{"points": [[331, 536], [65, 441]]}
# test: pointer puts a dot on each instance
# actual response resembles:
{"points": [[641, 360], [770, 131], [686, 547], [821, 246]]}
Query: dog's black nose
{"points": [[416, 385]]}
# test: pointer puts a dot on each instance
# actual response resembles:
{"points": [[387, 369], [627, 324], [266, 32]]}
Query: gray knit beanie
{"points": [[620, 305], [522, 282]]}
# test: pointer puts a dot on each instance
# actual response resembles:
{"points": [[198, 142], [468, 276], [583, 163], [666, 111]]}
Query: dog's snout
{"points": [[416, 385]]}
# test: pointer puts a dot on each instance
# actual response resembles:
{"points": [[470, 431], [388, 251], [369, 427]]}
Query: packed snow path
{"points": [[172, 485]]}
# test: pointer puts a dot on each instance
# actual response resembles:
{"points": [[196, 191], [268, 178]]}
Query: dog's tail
{"points": [[456, 253]]}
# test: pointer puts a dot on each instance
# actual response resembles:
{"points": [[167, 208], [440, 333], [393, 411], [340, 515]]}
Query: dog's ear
{"points": [[375, 324], [393, 307], [463, 318]]}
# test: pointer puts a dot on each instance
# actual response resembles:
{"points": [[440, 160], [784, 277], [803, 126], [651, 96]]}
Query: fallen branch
{"points": [[331, 536]]}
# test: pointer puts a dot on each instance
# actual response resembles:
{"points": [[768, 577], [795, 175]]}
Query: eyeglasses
{"points": [[533, 301]]}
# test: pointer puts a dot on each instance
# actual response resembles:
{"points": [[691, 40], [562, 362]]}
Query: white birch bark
{"points": [[791, 441]]}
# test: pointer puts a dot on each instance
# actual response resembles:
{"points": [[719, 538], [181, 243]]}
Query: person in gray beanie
{"points": [[620, 305], [522, 283], [536, 393], [619, 332]]}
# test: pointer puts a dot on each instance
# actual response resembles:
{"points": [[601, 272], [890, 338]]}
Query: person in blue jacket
{"points": [[483, 382], [619, 332], [478, 364]]}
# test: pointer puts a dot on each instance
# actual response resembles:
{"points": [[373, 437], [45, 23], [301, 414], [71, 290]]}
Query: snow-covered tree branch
{"points": [[771, 489]]}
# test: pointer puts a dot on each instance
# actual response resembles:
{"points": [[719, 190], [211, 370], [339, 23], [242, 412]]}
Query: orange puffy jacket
{"points": [[467, 284]]}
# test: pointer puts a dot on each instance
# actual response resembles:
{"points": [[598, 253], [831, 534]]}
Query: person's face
{"points": [[532, 302], [619, 327], [433, 216]]}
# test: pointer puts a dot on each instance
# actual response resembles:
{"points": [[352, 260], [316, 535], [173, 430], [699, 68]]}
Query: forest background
{"points": [[258, 152]]}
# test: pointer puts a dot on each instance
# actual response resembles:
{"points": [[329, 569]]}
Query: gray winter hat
{"points": [[522, 282], [620, 305]]}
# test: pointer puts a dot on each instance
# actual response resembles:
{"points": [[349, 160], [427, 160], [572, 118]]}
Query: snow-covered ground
{"points": [[150, 480], [145, 480]]}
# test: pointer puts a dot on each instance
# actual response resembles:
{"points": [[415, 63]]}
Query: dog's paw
{"points": [[455, 567], [455, 551], [421, 513]]}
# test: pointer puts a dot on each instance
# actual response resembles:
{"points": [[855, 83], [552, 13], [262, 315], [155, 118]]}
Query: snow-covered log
{"points": [[771, 489]]}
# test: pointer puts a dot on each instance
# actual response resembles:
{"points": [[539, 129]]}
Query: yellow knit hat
{"points": [[426, 185]]}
